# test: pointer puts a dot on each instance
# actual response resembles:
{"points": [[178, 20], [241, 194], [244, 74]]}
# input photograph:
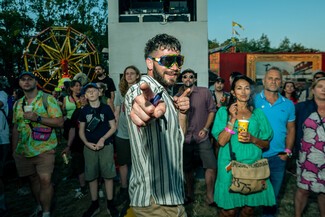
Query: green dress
{"points": [[246, 153]]}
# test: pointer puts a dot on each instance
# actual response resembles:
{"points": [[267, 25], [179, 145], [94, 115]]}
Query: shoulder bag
{"points": [[248, 178]]}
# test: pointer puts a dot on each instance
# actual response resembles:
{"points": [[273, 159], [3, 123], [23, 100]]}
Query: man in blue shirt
{"points": [[280, 112]]}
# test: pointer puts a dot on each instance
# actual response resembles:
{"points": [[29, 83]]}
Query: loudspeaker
{"points": [[153, 18], [178, 18], [129, 18]]}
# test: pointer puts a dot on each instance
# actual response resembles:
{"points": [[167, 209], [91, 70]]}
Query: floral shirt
{"points": [[223, 101], [27, 146]]}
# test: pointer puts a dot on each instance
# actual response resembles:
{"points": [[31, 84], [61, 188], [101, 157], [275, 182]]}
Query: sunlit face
{"points": [[188, 79], [289, 88], [218, 86], [242, 90], [165, 76], [27, 83], [272, 81], [319, 90], [131, 76]]}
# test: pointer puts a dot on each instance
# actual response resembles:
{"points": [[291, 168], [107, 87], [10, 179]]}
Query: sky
{"points": [[301, 21]]}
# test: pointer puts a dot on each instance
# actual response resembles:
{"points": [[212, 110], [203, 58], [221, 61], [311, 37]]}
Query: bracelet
{"points": [[231, 124], [205, 129], [288, 151], [229, 131]]}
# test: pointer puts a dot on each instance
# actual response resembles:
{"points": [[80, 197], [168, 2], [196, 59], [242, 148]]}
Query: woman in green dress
{"points": [[247, 151]]}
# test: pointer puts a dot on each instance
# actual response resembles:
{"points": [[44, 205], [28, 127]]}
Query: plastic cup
{"points": [[242, 127], [28, 108]]}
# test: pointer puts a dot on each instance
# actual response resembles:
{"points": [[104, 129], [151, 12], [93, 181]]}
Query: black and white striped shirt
{"points": [[157, 153]]}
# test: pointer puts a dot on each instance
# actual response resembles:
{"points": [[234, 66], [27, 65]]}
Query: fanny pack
{"points": [[38, 133], [41, 133]]}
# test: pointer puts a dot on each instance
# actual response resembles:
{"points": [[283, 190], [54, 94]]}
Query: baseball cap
{"points": [[188, 71], [219, 79], [89, 85], [26, 73]]}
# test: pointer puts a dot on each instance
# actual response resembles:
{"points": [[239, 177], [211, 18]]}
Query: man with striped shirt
{"points": [[156, 132]]}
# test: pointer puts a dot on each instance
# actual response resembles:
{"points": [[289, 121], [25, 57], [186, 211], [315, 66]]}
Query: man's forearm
{"points": [[182, 121], [291, 133]]}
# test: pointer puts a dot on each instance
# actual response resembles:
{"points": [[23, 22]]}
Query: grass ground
{"points": [[65, 205]]}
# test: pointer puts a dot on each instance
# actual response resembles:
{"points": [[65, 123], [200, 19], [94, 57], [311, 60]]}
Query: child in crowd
{"points": [[97, 125]]}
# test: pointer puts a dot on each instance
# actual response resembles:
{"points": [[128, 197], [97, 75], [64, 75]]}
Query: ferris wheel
{"points": [[59, 52]]}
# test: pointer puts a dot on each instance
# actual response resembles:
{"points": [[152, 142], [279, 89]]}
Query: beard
{"points": [[188, 84], [158, 77]]}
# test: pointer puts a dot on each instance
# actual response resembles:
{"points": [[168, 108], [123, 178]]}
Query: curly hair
{"points": [[124, 86], [161, 42]]}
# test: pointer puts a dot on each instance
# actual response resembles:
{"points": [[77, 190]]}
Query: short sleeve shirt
{"points": [[110, 85], [27, 146], [278, 114], [105, 114], [122, 128]]}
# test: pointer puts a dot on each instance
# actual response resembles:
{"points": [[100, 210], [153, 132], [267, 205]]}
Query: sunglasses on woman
{"points": [[169, 60]]}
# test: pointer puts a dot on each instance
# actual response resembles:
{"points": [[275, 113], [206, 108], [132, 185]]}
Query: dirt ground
{"points": [[65, 205]]}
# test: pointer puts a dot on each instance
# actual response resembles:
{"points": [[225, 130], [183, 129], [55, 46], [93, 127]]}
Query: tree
{"points": [[264, 44], [14, 28], [284, 45], [21, 19], [213, 44]]}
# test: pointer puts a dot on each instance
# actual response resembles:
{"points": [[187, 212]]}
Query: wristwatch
{"points": [[289, 152], [39, 119]]}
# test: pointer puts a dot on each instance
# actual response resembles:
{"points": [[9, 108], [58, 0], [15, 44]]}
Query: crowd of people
{"points": [[161, 140]]}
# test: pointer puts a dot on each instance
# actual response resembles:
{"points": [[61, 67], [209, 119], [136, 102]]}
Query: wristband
{"points": [[205, 129], [229, 131], [231, 124], [288, 151]]}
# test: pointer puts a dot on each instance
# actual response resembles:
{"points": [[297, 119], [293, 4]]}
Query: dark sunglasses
{"points": [[169, 60], [188, 76]]}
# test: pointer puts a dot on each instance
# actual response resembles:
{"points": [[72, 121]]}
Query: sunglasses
{"points": [[169, 60], [188, 76]]}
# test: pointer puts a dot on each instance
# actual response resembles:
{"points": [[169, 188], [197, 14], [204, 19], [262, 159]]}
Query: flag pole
{"points": [[233, 47]]}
